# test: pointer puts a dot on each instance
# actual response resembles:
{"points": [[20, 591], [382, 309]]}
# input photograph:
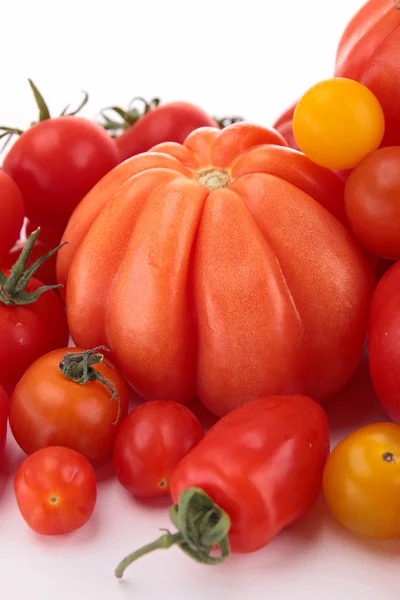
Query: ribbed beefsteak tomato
{"points": [[369, 52], [215, 268]]}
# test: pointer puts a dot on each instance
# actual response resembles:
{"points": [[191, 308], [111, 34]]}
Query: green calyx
{"points": [[126, 118], [13, 288], [202, 526], [7, 133], [78, 367], [226, 121]]}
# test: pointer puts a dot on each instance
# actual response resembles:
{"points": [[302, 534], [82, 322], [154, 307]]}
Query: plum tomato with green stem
{"points": [[56, 490], [70, 397], [32, 318], [56, 162], [3, 420], [153, 439], [11, 213], [372, 202], [258, 470]]}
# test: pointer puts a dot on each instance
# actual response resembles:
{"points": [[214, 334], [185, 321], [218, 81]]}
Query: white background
{"points": [[251, 58]]}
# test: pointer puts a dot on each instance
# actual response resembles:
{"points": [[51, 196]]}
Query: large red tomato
{"points": [[384, 341], [11, 213], [369, 52], [3, 420], [215, 269]]}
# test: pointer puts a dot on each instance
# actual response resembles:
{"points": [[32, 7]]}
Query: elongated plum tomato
{"points": [[226, 276], [55, 490], [256, 471], [32, 317], [362, 481], [372, 201], [153, 439], [11, 213], [3, 420], [338, 122], [384, 341], [69, 397]]}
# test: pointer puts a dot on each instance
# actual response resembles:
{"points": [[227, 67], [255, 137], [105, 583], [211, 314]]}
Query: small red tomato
{"points": [[72, 398], [372, 202], [32, 319], [56, 162], [153, 439], [11, 213], [55, 490], [3, 420]]}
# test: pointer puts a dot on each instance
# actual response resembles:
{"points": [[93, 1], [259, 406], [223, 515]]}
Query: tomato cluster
{"points": [[212, 260]]}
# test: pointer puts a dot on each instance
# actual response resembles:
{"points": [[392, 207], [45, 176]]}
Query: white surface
{"points": [[252, 58]]}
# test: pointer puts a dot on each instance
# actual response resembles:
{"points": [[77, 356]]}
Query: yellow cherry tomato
{"points": [[338, 122], [362, 481]]}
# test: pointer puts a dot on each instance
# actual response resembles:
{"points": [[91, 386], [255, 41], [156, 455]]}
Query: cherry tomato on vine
{"points": [[32, 317], [362, 481], [372, 201], [69, 397], [55, 490], [3, 420], [338, 122], [56, 162], [11, 213], [153, 439]]}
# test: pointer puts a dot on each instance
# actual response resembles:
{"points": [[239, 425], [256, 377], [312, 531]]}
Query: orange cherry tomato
{"points": [[362, 481], [338, 122], [55, 490]]}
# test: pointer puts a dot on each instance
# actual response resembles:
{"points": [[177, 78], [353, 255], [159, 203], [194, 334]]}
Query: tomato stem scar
{"points": [[389, 457]]}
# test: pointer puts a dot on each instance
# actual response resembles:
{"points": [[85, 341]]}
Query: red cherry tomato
{"points": [[3, 420], [384, 341], [55, 163], [47, 272], [153, 439], [11, 213], [55, 490], [372, 200], [170, 122], [56, 406]]}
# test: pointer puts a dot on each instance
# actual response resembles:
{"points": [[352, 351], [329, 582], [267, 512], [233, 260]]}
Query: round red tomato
{"points": [[56, 404], [384, 341], [372, 200], [11, 213], [153, 439], [3, 420], [170, 122], [55, 163], [55, 490]]}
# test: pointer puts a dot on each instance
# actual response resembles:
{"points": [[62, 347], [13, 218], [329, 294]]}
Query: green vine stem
{"points": [[13, 288], [78, 367], [202, 526], [136, 109], [226, 121], [7, 133]]}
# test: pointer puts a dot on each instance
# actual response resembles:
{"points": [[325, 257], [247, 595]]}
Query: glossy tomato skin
{"points": [[55, 163], [46, 273], [170, 122], [262, 464], [372, 201], [152, 440], [47, 409], [228, 294], [384, 341], [368, 52], [3, 420], [55, 490], [28, 332], [284, 124], [362, 481], [338, 122], [11, 213]]}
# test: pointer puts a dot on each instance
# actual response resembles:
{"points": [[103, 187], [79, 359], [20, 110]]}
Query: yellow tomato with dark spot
{"points": [[362, 481], [338, 122]]}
